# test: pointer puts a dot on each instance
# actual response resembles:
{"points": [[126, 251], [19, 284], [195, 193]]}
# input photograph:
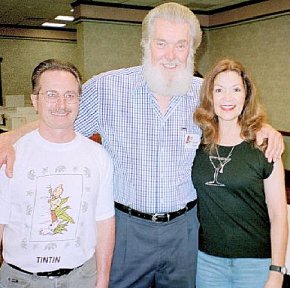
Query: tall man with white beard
{"points": [[144, 115]]}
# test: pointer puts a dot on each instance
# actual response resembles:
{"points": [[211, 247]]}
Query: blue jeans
{"points": [[217, 272], [84, 276]]}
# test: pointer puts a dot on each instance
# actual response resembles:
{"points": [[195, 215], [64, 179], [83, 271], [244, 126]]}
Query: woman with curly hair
{"points": [[241, 196]]}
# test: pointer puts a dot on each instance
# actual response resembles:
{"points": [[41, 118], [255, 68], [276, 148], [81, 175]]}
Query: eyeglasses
{"points": [[52, 96]]}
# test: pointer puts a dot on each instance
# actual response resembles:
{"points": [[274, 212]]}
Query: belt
{"points": [[157, 217], [55, 273]]}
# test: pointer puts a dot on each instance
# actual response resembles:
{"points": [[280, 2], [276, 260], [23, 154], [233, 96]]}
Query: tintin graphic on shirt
{"points": [[60, 218], [57, 207]]}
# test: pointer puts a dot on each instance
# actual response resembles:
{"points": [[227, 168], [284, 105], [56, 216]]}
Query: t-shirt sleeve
{"points": [[267, 167], [5, 205], [105, 203]]}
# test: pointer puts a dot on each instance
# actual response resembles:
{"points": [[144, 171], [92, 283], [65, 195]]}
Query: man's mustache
{"points": [[61, 111], [172, 63]]}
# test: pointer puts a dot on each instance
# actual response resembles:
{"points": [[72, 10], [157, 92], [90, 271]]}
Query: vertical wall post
{"points": [[1, 95]]}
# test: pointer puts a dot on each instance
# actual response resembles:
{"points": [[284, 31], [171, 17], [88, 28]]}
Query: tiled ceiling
{"points": [[35, 12]]}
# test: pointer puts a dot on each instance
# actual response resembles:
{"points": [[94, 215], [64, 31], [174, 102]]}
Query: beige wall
{"points": [[286, 155], [104, 46], [21, 56], [263, 47]]}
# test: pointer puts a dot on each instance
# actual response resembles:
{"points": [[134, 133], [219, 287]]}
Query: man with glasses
{"points": [[144, 115], [57, 212]]}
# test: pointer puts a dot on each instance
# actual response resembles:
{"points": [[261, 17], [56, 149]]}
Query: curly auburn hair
{"points": [[251, 118]]}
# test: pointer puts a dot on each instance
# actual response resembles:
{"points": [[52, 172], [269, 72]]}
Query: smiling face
{"points": [[56, 120], [228, 96], [168, 61], [170, 45]]}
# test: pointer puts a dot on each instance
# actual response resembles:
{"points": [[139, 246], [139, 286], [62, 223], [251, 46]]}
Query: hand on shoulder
{"points": [[7, 154], [275, 146]]}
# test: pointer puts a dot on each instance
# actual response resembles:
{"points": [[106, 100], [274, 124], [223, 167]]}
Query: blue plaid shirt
{"points": [[152, 162]]}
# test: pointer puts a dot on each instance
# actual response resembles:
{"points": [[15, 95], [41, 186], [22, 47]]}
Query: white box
{"points": [[15, 122], [30, 117], [14, 100], [25, 110]]}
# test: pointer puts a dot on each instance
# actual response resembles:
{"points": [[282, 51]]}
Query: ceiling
{"points": [[32, 13]]}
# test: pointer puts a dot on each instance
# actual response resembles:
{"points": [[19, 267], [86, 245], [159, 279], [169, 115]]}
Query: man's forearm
{"points": [[13, 135], [104, 250], [7, 153], [275, 146]]}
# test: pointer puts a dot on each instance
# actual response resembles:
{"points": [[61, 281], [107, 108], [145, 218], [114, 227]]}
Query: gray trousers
{"points": [[160, 254], [84, 276]]}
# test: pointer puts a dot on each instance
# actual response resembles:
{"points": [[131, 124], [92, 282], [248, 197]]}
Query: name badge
{"points": [[191, 140]]}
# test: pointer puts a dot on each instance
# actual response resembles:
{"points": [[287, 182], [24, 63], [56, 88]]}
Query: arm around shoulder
{"points": [[275, 145], [7, 153]]}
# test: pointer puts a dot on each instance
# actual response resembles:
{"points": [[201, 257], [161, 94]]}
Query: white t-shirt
{"points": [[51, 205]]}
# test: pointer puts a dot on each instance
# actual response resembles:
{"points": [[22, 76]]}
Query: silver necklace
{"points": [[224, 160]]}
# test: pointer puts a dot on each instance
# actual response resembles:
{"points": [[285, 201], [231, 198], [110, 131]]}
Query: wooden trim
{"points": [[38, 33], [287, 172], [285, 133], [287, 178], [254, 10]]}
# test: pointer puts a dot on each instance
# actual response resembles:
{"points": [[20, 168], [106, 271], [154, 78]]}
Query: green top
{"points": [[233, 215]]}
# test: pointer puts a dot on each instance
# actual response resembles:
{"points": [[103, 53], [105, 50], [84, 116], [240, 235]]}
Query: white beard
{"points": [[168, 84]]}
